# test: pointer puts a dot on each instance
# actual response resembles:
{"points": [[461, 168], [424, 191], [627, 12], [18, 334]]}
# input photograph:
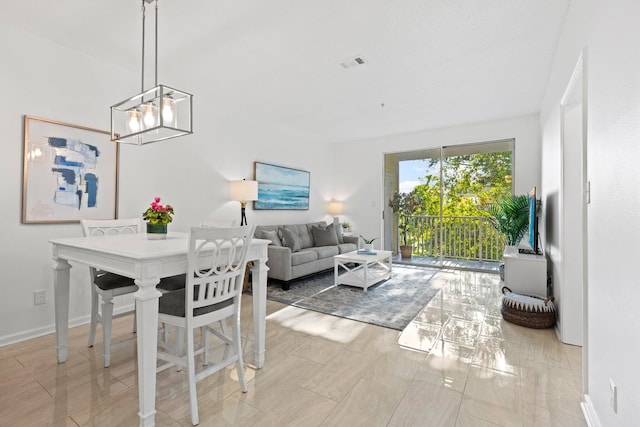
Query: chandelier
{"points": [[155, 114]]}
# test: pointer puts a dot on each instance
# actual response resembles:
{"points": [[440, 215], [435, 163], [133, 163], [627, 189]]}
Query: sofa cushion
{"points": [[303, 257], [273, 236], [347, 247], [326, 251], [324, 236], [303, 233], [261, 229], [310, 225], [290, 239]]}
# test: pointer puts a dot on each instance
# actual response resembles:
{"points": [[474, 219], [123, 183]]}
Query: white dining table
{"points": [[146, 261]]}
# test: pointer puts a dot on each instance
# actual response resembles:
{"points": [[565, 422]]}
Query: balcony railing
{"points": [[458, 237]]}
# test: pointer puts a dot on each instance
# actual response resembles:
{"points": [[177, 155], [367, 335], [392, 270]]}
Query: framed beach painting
{"points": [[281, 188], [70, 172]]}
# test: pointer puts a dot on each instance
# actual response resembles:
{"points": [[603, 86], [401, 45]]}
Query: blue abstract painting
{"points": [[72, 160], [70, 172], [281, 188]]}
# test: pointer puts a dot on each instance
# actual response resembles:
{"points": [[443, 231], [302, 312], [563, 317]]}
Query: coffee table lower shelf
{"points": [[368, 270]]}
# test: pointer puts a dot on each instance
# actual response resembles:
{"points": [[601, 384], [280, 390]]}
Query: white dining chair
{"points": [[105, 285], [213, 291]]}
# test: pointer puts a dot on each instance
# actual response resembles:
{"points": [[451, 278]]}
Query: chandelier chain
{"points": [[157, 113], [156, 47], [143, 31]]}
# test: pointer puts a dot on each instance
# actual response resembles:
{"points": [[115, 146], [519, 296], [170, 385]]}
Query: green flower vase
{"points": [[156, 231]]}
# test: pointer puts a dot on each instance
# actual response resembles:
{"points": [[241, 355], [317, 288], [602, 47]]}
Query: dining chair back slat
{"points": [[215, 274]]}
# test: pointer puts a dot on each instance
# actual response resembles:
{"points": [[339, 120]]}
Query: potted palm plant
{"points": [[404, 205], [510, 217]]}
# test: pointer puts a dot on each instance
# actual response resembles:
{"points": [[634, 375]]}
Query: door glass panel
{"points": [[449, 188], [474, 176]]}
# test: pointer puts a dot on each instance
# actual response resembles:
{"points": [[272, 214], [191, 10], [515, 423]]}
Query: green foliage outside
{"points": [[470, 184]]}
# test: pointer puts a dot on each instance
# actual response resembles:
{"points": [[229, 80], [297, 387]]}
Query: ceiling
{"points": [[428, 63]]}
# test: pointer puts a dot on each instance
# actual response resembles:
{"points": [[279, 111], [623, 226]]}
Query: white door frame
{"points": [[576, 94]]}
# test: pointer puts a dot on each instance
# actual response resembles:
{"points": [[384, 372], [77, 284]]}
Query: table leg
{"points": [[61, 269], [147, 335], [366, 281], [259, 289]]}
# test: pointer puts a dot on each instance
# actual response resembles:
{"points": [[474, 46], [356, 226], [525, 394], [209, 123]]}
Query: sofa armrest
{"points": [[352, 239], [279, 262]]}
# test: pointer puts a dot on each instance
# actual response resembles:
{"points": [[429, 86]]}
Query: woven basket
{"points": [[528, 310]]}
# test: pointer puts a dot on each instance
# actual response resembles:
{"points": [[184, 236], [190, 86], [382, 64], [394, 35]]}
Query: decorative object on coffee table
{"points": [[368, 243], [157, 217]]}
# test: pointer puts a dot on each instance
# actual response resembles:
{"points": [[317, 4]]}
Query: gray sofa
{"points": [[298, 250]]}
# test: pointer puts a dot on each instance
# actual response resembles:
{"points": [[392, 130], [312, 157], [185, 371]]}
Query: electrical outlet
{"points": [[613, 395], [40, 297]]}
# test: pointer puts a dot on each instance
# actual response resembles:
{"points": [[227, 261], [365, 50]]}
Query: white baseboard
{"points": [[49, 329], [589, 412], [38, 332]]}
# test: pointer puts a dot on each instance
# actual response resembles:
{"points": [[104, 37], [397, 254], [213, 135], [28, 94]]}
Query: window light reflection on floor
{"points": [[310, 322]]}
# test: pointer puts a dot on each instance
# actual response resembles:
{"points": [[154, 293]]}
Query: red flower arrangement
{"points": [[157, 213]]}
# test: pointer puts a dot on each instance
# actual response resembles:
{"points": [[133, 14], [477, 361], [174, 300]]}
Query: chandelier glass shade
{"points": [[155, 114]]}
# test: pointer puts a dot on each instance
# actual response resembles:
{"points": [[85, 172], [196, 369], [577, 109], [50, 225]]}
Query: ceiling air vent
{"points": [[352, 62]]}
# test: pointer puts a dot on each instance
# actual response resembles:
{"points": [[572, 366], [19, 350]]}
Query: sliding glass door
{"points": [[450, 187], [413, 174]]}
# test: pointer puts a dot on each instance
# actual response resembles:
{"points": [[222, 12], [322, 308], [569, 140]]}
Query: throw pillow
{"points": [[338, 231], [290, 240], [324, 236], [273, 236]]}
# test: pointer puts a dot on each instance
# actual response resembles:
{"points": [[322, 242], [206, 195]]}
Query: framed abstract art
{"points": [[70, 172]]}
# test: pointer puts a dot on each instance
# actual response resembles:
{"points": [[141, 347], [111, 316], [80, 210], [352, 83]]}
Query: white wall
{"points": [[192, 173], [42, 79], [358, 175], [609, 32]]}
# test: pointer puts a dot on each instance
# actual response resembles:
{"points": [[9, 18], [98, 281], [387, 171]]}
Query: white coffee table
{"points": [[362, 274]]}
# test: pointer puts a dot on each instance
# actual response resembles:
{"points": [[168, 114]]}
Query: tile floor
{"points": [[457, 364]]}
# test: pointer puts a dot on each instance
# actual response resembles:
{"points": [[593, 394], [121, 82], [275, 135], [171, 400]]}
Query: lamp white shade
{"points": [[335, 208], [243, 190]]}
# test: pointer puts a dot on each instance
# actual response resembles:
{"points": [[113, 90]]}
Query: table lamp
{"points": [[335, 208], [244, 191]]}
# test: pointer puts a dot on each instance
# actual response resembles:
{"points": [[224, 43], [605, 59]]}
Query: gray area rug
{"points": [[392, 303]]}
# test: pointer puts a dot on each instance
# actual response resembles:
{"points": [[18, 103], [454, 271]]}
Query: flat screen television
{"points": [[533, 222]]}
